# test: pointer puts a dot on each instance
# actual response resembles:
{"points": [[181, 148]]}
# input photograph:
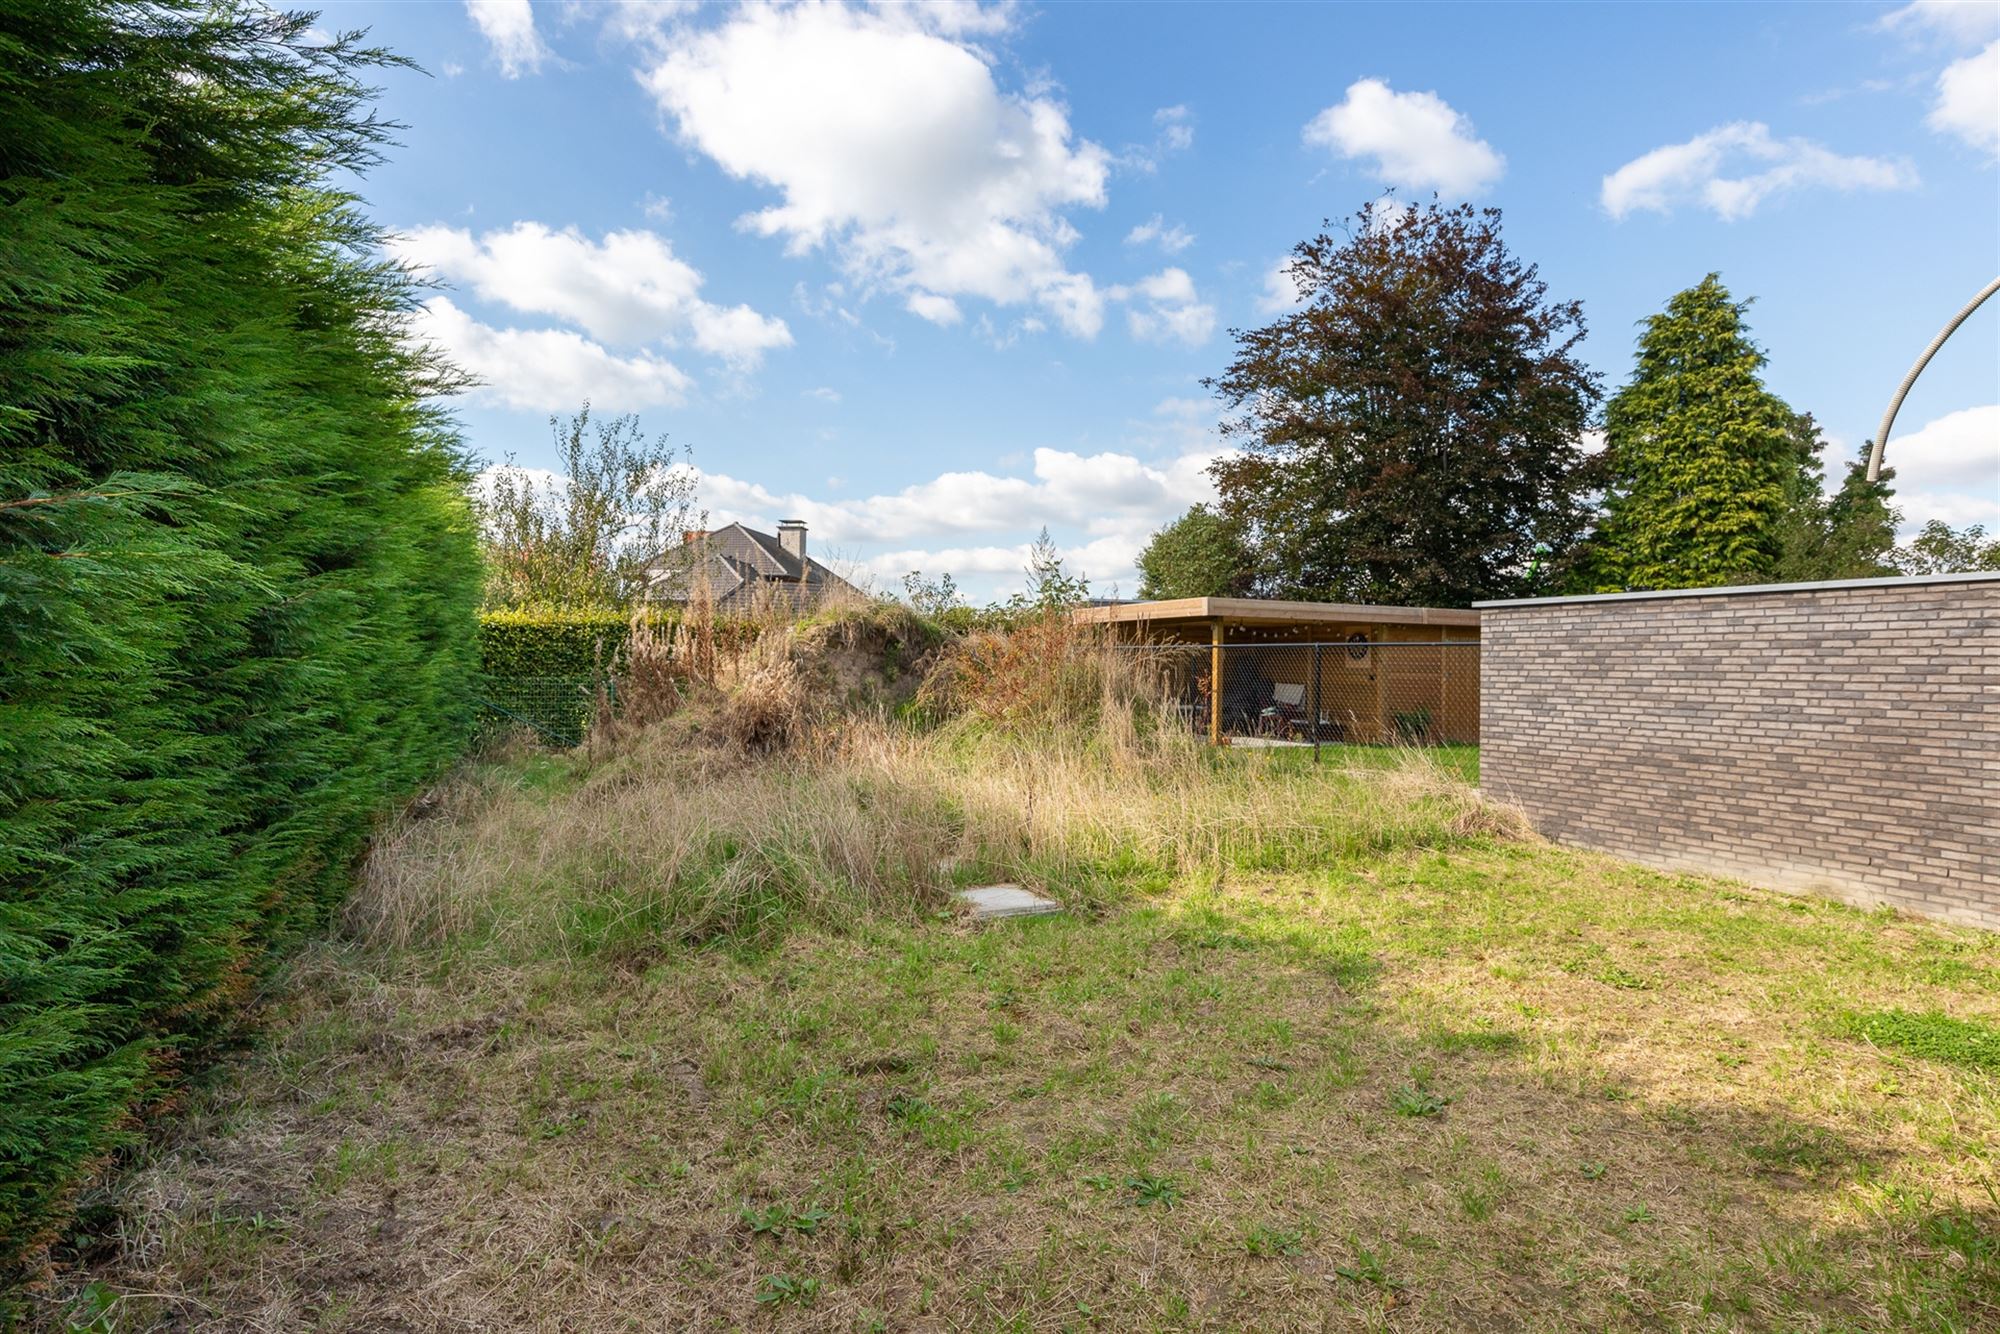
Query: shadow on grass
{"points": [[1190, 1115]]}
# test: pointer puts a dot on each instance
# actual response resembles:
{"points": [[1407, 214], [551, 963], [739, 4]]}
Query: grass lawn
{"points": [[1486, 1084], [1459, 759]]}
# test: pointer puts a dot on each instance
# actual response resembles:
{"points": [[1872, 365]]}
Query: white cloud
{"points": [[1176, 126], [1696, 172], [1198, 410], [1417, 140], [1155, 231], [824, 394], [628, 289], [509, 29], [548, 370], [1164, 307], [1968, 99], [1280, 293], [1173, 132], [978, 525], [1966, 22], [1949, 469], [1097, 492], [930, 306], [890, 143]]}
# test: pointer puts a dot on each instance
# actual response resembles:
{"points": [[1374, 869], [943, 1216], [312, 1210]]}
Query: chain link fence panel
{"points": [[1355, 692], [556, 710]]}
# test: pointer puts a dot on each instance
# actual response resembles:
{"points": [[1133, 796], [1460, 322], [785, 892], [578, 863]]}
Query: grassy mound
{"points": [[773, 801]]}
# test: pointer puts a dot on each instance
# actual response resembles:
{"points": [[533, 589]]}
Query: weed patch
{"points": [[1933, 1036]]}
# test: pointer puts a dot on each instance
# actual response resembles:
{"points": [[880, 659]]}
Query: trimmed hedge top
{"points": [[558, 642]]}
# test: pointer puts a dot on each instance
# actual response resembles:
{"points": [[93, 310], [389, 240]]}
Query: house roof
{"points": [[1269, 611], [760, 552], [737, 556]]}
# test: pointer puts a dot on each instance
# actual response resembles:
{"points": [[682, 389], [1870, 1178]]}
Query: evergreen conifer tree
{"points": [[237, 567], [1703, 463]]}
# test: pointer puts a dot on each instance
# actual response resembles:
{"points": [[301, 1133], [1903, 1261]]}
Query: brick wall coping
{"points": [[1737, 590]]}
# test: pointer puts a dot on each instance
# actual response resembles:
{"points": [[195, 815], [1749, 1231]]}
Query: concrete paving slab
{"points": [[991, 902]]}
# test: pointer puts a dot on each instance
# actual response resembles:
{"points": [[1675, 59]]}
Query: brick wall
{"points": [[1841, 737]]}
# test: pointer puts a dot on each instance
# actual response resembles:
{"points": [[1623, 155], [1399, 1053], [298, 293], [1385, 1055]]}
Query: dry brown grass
{"points": [[978, 1116], [739, 813], [1316, 1048]]}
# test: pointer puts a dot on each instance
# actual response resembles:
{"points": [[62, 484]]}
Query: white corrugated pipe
{"points": [[1889, 417]]}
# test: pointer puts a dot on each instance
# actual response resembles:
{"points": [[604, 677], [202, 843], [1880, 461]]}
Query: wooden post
{"points": [[1377, 665], [1215, 684], [1314, 714]]}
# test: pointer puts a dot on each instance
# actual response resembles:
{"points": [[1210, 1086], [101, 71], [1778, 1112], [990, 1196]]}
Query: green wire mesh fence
{"points": [[556, 710]]}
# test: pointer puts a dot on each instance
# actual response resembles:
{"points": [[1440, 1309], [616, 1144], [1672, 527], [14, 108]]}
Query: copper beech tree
{"points": [[1411, 432]]}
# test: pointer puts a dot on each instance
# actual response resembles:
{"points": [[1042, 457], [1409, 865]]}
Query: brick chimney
{"points": [[792, 537]]}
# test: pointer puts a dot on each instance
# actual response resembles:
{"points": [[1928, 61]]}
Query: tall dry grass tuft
{"points": [[680, 837], [771, 710], [1057, 763]]}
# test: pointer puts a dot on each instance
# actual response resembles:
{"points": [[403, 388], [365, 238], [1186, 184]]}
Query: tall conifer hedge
{"points": [[237, 574]]}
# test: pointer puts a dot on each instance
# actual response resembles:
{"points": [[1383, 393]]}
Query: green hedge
{"points": [[560, 642], [542, 669], [237, 573], [545, 668]]}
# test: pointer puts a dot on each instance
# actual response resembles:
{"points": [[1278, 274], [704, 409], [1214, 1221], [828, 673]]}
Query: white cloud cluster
{"points": [[1172, 238], [1281, 293], [1734, 168], [1176, 127], [1967, 103], [1165, 308], [509, 29], [1417, 140], [1173, 132], [628, 290], [548, 370], [1967, 22], [1968, 99], [1098, 493], [1949, 469], [978, 525], [889, 141]]}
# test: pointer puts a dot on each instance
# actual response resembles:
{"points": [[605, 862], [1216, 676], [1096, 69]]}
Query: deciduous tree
{"points": [[1941, 549], [1411, 433], [1050, 586], [581, 537], [1202, 554]]}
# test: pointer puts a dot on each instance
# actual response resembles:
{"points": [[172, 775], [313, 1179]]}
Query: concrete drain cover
{"points": [[989, 902]]}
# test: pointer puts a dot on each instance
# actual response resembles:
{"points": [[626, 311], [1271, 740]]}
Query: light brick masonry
{"points": [[1839, 737]]}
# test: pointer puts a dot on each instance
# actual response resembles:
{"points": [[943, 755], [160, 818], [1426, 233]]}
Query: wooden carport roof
{"points": [[1268, 611]]}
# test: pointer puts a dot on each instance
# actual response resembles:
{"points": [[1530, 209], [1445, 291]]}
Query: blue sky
{"points": [[932, 277]]}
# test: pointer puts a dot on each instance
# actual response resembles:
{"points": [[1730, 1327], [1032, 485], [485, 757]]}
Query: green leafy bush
{"points": [[237, 569]]}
